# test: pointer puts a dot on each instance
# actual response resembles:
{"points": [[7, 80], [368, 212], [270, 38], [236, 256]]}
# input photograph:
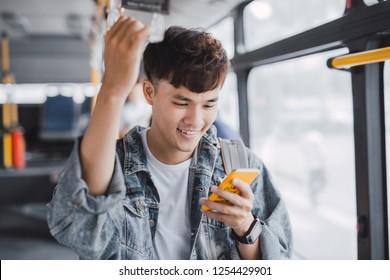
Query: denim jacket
{"points": [[122, 223]]}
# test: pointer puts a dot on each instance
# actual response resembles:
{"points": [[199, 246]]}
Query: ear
{"points": [[148, 89]]}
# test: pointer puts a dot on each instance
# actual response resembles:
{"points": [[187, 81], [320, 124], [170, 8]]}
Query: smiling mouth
{"points": [[188, 132]]}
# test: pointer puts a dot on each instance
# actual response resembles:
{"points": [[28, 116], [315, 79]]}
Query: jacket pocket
{"points": [[61, 226], [136, 232]]}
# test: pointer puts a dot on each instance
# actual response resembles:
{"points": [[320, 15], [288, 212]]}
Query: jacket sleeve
{"points": [[88, 224], [276, 235]]}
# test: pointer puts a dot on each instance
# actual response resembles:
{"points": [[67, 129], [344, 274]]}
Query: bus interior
{"points": [[320, 127]]}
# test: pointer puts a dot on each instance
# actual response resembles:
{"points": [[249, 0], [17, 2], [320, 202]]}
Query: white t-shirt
{"points": [[173, 233]]}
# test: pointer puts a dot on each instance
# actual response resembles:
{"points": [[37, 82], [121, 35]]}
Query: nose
{"points": [[194, 117]]}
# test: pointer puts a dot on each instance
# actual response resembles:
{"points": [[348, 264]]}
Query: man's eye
{"points": [[209, 106], [180, 104]]}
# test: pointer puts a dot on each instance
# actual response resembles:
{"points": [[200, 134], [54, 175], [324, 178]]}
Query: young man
{"points": [[143, 199]]}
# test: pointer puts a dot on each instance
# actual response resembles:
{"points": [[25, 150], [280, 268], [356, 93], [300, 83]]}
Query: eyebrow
{"points": [[186, 99]]}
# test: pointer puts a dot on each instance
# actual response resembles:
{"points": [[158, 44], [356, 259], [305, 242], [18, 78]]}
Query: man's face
{"points": [[180, 118]]}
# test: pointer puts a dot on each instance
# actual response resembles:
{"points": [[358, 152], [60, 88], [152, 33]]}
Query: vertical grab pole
{"points": [[96, 48], [13, 138], [7, 108], [370, 159]]}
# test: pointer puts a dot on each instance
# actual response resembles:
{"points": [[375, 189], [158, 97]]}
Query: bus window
{"points": [[372, 2], [23, 93], [268, 21], [386, 77], [228, 102], [223, 31], [301, 123]]}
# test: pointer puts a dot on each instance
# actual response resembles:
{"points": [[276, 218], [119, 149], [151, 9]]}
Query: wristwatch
{"points": [[251, 235]]}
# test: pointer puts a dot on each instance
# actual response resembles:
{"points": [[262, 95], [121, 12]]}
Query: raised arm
{"points": [[122, 57]]}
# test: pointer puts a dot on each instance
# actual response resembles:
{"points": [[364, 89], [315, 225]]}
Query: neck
{"points": [[162, 152]]}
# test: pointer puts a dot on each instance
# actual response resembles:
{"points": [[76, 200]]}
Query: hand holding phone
{"points": [[245, 174]]}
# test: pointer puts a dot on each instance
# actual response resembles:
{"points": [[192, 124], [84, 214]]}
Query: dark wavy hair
{"points": [[187, 57]]}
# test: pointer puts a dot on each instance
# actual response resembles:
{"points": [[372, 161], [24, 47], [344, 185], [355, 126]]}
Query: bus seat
{"points": [[60, 118]]}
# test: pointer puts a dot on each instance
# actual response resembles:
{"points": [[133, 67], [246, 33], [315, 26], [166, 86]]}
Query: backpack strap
{"points": [[233, 154]]}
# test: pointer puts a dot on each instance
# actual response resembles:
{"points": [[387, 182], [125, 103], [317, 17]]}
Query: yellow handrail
{"points": [[360, 58]]}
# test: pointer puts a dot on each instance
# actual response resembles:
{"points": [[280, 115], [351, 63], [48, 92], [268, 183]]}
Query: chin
{"points": [[188, 148]]}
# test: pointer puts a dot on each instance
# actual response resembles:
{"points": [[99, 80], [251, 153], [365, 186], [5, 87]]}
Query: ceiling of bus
{"points": [[50, 38]]}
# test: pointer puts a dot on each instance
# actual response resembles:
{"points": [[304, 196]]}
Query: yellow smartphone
{"points": [[245, 174]]}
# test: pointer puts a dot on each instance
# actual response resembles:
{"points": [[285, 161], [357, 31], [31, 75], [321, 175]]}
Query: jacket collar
{"points": [[135, 156]]}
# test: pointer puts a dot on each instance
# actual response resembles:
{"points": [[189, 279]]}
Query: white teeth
{"points": [[188, 132]]}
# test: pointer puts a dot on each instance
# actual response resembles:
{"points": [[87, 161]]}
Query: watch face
{"points": [[252, 234]]}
